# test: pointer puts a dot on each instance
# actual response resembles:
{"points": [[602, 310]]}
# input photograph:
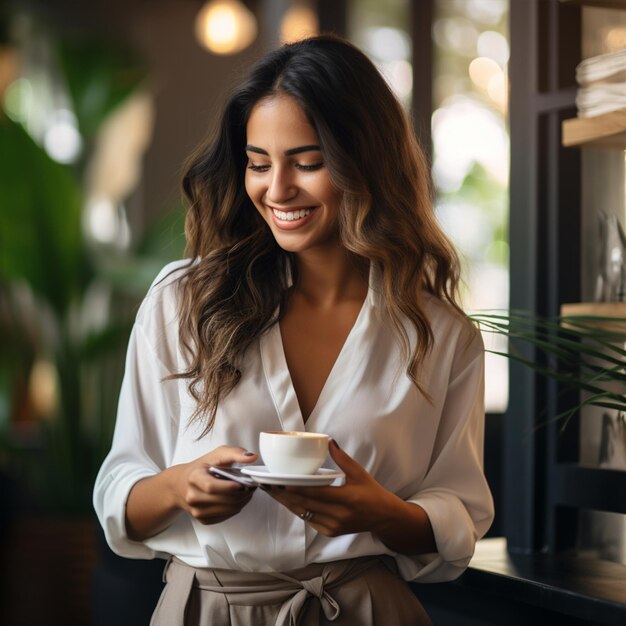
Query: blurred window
{"points": [[470, 139], [471, 158], [381, 30]]}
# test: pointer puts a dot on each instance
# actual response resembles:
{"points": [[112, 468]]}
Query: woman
{"points": [[320, 296]]}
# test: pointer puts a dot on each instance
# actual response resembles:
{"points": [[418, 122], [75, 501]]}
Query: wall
{"points": [[188, 83]]}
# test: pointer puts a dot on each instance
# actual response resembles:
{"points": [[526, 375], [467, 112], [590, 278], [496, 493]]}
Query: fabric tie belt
{"points": [[292, 590]]}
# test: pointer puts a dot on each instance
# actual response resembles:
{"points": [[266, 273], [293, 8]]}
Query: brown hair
{"points": [[235, 285]]}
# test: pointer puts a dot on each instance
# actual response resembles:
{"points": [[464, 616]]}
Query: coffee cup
{"points": [[293, 452]]}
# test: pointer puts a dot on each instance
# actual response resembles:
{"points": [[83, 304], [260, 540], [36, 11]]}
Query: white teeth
{"points": [[290, 216]]}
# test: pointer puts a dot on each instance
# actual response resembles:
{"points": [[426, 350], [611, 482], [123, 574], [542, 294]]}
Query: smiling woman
{"points": [[286, 177], [319, 297]]}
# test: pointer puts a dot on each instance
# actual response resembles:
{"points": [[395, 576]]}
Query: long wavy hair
{"points": [[237, 281]]}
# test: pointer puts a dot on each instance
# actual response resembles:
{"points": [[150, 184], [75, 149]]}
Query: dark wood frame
{"points": [[544, 488]]}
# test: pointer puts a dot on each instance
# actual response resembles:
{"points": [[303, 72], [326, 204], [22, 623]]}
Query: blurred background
{"points": [[101, 102]]}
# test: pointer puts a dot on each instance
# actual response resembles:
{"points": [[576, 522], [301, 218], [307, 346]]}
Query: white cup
{"points": [[293, 452]]}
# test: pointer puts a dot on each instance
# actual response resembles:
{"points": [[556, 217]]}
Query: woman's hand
{"points": [[357, 506], [208, 499], [361, 505], [154, 502]]}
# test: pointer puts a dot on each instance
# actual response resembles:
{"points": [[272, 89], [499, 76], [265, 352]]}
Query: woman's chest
{"points": [[312, 343], [367, 404]]}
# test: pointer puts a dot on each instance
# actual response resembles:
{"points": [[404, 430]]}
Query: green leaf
{"points": [[578, 353], [40, 220], [99, 77]]}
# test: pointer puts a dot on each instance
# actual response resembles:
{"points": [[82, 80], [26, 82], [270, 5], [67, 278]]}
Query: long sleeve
{"points": [[146, 428], [454, 492]]}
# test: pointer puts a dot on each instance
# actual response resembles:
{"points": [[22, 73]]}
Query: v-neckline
{"points": [[330, 371], [281, 384]]}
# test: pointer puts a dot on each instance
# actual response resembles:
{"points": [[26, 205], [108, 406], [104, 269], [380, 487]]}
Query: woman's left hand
{"points": [[361, 505]]}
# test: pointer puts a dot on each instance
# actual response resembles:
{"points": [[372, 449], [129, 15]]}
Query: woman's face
{"points": [[286, 177]]}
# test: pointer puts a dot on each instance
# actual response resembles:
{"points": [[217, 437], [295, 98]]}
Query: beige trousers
{"points": [[365, 591]]}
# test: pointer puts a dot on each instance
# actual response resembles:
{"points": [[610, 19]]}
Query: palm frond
{"points": [[585, 353]]}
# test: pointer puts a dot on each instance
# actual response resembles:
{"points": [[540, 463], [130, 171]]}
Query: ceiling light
{"points": [[225, 27]]}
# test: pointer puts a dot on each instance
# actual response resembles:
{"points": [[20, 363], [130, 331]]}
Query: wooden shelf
{"points": [[605, 4], [607, 130], [597, 309], [613, 310]]}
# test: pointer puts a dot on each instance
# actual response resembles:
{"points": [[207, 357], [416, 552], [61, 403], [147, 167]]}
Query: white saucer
{"points": [[262, 475]]}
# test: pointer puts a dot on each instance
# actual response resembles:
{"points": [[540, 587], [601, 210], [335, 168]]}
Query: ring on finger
{"points": [[306, 515]]}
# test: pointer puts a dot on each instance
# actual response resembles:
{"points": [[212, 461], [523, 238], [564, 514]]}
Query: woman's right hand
{"points": [[208, 499], [154, 502]]}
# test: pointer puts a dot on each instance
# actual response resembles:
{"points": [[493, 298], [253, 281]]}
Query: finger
{"points": [[297, 504], [215, 514], [203, 481], [293, 502], [234, 495], [204, 508], [215, 490], [293, 498], [336, 495], [227, 455], [242, 486], [212, 520], [324, 525], [345, 462]]}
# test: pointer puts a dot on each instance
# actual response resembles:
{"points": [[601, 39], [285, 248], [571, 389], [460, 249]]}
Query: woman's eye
{"points": [[301, 166], [309, 168], [258, 168]]}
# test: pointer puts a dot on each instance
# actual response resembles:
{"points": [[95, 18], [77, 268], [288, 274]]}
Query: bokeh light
{"points": [[457, 34], [62, 140], [465, 132], [225, 27], [299, 21], [106, 223], [18, 100], [482, 70], [494, 46], [615, 39]]}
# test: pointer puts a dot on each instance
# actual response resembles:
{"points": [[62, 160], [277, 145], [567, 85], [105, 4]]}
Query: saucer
{"points": [[262, 475]]}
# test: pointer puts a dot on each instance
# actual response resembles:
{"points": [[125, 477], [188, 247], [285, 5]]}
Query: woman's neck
{"points": [[328, 277]]}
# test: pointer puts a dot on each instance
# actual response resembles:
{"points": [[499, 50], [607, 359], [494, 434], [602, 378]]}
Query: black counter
{"points": [[505, 589]]}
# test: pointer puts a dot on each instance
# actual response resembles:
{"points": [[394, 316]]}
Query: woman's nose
{"points": [[281, 187]]}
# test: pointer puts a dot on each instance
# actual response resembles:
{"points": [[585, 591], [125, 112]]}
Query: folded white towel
{"points": [[601, 67], [601, 98]]}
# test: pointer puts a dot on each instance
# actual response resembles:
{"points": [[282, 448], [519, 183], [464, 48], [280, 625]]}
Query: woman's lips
{"points": [[292, 218]]}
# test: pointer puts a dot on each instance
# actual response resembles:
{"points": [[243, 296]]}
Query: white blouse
{"points": [[427, 452]]}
